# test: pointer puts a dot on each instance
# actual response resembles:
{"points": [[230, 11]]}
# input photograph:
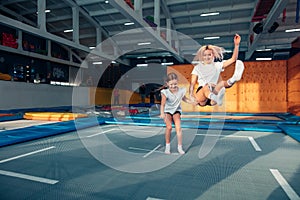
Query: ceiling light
{"points": [[97, 63], [167, 63], [142, 65], [263, 58], [211, 38], [141, 57], [144, 43], [46, 11], [106, 1], [68, 30], [195, 62], [94, 57], [128, 23], [209, 14], [264, 50], [91, 47], [292, 30], [113, 62]]}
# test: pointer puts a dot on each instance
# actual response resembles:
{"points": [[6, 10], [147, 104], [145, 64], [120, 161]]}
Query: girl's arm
{"points": [[192, 85], [235, 54], [162, 106], [187, 100]]}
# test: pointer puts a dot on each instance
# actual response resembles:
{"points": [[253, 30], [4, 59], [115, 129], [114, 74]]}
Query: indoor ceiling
{"points": [[101, 19]]}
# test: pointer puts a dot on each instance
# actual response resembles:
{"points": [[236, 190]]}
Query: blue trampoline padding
{"points": [[50, 109], [141, 117], [196, 125], [11, 118], [291, 130], [289, 117], [232, 113], [35, 132]]}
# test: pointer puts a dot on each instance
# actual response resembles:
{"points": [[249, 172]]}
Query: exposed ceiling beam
{"points": [[24, 27], [213, 23], [271, 18], [39, 56], [174, 2], [227, 8], [134, 17], [87, 16], [11, 2], [32, 10], [88, 2], [19, 17]]}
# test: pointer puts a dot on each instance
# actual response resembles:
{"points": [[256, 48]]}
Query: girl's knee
{"points": [[169, 128]]}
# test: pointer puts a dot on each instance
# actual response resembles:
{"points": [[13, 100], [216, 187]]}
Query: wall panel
{"points": [[261, 89], [293, 88]]}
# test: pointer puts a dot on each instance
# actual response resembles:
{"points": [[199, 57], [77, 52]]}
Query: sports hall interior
{"points": [[64, 134]]}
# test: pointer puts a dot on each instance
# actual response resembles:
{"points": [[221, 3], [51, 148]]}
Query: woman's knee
{"points": [[202, 104], [200, 96]]}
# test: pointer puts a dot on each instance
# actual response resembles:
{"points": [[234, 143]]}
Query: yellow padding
{"points": [[53, 116]]}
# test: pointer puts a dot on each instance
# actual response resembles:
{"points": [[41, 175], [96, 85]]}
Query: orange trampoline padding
{"points": [[5, 114], [53, 116]]}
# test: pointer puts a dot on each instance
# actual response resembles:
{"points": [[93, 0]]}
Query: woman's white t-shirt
{"points": [[173, 101], [208, 73]]}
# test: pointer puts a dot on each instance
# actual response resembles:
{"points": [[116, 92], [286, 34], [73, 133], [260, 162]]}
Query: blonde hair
{"points": [[216, 50]]}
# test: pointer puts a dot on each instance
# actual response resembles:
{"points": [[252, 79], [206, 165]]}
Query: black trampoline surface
{"points": [[235, 165]]}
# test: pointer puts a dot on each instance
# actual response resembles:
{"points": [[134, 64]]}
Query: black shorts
{"points": [[208, 101], [173, 113]]}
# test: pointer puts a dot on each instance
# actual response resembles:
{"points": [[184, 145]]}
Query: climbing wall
{"points": [[294, 85], [263, 88]]}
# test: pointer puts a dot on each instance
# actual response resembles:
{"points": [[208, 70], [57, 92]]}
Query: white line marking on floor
{"points": [[254, 144], [140, 130], [27, 154], [150, 152], [151, 198], [141, 149], [284, 184], [28, 177], [215, 135], [101, 133]]}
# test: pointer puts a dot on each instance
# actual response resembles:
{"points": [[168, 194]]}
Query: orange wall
{"points": [[293, 85], [266, 86], [262, 88], [103, 96]]}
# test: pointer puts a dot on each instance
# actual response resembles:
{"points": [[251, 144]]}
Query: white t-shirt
{"points": [[208, 73], [173, 101]]}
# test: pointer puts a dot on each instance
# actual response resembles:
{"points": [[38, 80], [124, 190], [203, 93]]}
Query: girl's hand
{"points": [[192, 97], [237, 39], [162, 116]]}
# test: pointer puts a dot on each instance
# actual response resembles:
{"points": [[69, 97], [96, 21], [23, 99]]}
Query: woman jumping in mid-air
{"points": [[210, 90]]}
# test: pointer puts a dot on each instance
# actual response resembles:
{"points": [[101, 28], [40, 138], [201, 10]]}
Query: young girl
{"points": [[207, 73], [170, 109]]}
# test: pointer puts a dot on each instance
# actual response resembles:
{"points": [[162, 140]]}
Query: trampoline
{"points": [[51, 159]]}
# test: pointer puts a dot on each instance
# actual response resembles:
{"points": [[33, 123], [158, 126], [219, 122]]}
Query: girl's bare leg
{"points": [[168, 121], [177, 122]]}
